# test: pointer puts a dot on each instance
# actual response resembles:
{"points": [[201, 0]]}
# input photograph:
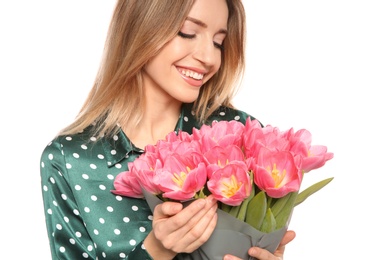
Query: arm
{"points": [[75, 233], [67, 234]]}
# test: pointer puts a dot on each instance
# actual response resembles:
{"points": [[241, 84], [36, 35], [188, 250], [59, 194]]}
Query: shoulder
{"points": [[229, 113], [61, 143]]}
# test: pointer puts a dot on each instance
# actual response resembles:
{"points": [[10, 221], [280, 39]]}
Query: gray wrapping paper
{"points": [[231, 236]]}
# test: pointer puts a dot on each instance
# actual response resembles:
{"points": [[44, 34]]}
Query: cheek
{"points": [[175, 50], [216, 67], [219, 62], [161, 63]]}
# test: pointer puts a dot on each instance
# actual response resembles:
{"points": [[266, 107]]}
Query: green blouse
{"points": [[84, 219]]}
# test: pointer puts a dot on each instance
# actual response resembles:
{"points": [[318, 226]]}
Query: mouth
{"points": [[191, 74]]}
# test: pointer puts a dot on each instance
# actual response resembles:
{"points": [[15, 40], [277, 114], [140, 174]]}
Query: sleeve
{"points": [[67, 233], [139, 253], [68, 237]]}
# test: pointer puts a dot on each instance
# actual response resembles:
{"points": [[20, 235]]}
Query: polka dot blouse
{"points": [[84, 219]]}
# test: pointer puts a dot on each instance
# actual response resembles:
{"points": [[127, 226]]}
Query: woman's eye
{"points": [[192, 36], [219, 46], [186, 36]]}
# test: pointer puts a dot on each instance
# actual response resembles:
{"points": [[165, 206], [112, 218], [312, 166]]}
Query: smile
{"points": [[191, 74]]}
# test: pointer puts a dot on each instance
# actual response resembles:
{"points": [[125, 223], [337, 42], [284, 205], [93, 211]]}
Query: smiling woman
{"points": [[322, 65], [167, 66]]}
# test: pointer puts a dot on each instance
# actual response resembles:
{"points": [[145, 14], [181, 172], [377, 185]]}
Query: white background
{"points": [[319, 65]]}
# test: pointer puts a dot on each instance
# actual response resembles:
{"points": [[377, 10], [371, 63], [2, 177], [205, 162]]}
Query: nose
{"points": [[206, 52]]}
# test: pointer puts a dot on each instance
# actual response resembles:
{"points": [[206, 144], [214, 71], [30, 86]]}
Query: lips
{"points": [[191, 74]]}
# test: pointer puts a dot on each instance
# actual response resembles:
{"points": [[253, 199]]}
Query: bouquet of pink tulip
{"points": [[254, 172]]}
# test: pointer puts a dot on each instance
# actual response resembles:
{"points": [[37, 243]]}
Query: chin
{"points": [[187, 96], [189, 99]]}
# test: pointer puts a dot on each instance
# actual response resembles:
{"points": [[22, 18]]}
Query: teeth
{"points": [[192, 74]]}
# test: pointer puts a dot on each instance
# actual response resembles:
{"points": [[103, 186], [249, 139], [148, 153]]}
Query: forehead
{"points": [[214, 13]]}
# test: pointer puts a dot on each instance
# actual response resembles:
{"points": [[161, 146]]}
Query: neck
{"points": [[158, 120]]}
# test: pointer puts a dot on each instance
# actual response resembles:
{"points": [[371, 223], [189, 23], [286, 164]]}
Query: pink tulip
{"points": [[220, 133], [313, 156], [176, 145], [317, 157], [269, 137], [179, 136], [144, 168], [231, 184], [302, 135], [252, 124], [126, 184], [219, 156], [300, 141], [276, 172], [180, 178]]}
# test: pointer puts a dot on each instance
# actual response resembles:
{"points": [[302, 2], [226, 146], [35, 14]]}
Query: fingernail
{"points": [[201, 202], [212, 199]]}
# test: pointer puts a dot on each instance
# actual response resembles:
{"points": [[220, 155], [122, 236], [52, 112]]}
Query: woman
{"points": [[168, 65]]}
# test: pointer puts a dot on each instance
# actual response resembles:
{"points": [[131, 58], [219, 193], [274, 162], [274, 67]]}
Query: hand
{"points": [[177, 229], [263, 254]]}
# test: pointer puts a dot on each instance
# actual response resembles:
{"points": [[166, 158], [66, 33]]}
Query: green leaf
{"points": [[244, 205], [280, 204], [225, 207], [234, 210], [285, 212], [269, 223], [312, 189], [256, 211]]}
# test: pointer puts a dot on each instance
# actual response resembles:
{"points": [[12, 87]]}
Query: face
{"points": [[189, 60]]}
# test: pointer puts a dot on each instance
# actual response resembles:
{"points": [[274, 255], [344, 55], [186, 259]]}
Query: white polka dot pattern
{"points": [[84, 219]]}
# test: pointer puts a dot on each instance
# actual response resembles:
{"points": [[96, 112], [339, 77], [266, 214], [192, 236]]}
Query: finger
{"points": [[261, 254], [186, 215], [288, 237], [193, 216], [230, 257], [170, 230], [193, 213], [201, 232], [167, 209]]}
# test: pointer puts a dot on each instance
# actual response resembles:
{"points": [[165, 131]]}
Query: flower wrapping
{"points": [[231, 236], [254, 172]]}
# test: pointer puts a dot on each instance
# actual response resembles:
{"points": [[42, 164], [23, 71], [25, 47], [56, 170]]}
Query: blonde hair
{"points": [[138, 30]]}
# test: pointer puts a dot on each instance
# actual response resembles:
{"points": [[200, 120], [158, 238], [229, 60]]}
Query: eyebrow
{"points": [[202, 24]]}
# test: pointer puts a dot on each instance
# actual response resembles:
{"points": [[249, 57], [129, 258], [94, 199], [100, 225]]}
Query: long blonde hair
{"points": [[138, 30]]}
